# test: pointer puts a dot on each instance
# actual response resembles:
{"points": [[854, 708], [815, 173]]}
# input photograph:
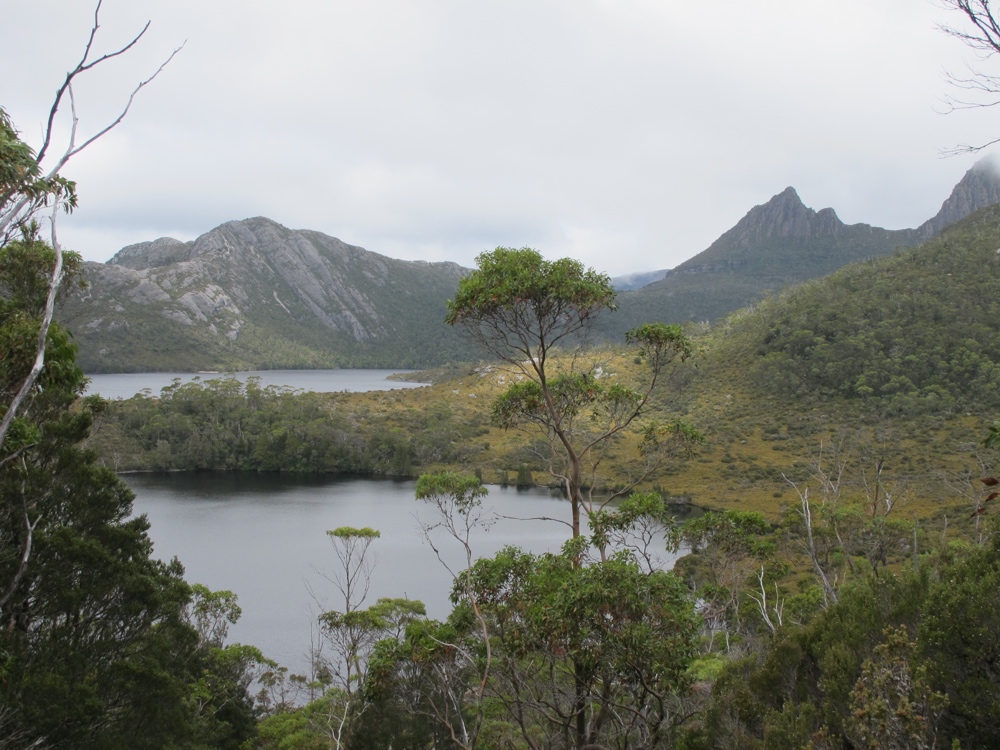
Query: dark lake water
{"points": [[126, 385], [263, 536]]}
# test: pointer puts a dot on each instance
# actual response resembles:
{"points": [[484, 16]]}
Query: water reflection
{"points": [[264, 537]]}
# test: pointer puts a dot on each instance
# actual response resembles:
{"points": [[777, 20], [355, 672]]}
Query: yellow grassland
{"points": [[754, 448]]}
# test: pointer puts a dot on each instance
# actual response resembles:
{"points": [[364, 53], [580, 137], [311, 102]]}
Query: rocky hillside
{"points": [[980, 187], [781, 243], [254, 294]]}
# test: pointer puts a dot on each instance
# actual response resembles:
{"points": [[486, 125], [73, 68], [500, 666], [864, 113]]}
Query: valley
{"points": [[749, 499]]}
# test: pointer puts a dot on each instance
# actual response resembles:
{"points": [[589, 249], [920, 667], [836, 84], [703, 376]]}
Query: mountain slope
{"points": [[782, 242], [916, 331], [254, 294]]}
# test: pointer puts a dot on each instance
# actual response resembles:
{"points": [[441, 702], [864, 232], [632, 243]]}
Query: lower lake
{"points": [[263, 536], [126, 385]]}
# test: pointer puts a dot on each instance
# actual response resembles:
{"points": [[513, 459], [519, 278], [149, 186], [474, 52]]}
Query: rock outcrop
{"points": [[253, 293], [979, 188]]}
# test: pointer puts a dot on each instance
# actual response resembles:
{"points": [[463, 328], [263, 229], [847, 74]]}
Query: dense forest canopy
{"points": [[917, 330], [831, 618]]}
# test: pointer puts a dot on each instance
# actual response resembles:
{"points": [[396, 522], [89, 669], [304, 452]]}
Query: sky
{"points": [[628, 134]]}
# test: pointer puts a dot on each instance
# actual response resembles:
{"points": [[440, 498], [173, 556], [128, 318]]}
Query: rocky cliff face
{"points": [[979, 188], [253, 293], [785, 215]]}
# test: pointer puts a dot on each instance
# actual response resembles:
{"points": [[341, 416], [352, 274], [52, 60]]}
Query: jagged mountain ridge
{"points": [[783, 242], [978, 188], [784, 215], [253, 293]]}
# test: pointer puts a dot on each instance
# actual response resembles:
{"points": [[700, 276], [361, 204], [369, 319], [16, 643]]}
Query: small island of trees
{"points": [[830, 619]]}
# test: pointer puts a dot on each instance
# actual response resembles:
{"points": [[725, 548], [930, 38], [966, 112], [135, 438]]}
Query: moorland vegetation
{"points": [[840, 591], [843, 515]]}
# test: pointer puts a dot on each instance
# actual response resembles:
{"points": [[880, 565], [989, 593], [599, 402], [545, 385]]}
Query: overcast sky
{"points": [[626, 133]]}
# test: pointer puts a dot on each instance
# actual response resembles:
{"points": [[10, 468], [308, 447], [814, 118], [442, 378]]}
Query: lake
{"points": [[126, 385], [263, 536]]}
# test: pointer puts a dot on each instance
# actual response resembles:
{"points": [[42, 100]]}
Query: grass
{"points": [[754, 446]]}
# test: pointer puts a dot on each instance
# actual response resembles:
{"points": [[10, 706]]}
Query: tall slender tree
{"points": [[524, 311]]}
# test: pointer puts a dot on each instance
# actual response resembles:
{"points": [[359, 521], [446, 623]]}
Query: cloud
{"points": [[630, 133]]}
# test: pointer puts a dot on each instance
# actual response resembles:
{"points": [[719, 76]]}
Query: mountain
{"points": [[918, 331], [781, 243], [254, 294], [980, 187]]}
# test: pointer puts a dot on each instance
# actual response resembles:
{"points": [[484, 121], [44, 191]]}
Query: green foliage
{"points": [[659, 342], [101, 646], [606, 641], [959, 640], [25, 270], [993, 438], [900, 661], [463, 491], [224, 424], [892, 705], [730, 531], [23, 188], [349, 531], [521, 309], [577, 654], [416, 687], [100, 651], [518, 289], [910, 333]]}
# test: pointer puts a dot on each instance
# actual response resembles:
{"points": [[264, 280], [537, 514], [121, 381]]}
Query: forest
{"points": [[821, 618], [839, 590]]}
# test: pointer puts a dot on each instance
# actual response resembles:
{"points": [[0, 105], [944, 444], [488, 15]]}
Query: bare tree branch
{"points": [[984, 38], [8, 215]]}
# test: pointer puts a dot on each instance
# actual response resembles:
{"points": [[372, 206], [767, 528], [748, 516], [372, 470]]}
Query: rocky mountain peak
{"points": [[978, 188], [254, 293], [784, 216], [161, 252]]}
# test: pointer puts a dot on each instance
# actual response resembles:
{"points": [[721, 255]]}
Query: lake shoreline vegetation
{"points": [[839, 520], [847, 526], [841, 589]]}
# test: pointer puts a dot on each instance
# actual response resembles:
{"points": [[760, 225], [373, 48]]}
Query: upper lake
{"points": [[126, 385]]}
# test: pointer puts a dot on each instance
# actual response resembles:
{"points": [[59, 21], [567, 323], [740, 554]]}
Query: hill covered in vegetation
{"points": [[892, 361], [253, 294]]}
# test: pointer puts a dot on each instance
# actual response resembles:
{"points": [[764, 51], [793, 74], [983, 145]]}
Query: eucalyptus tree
{"points": [[527, 313], [352, 632]]}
